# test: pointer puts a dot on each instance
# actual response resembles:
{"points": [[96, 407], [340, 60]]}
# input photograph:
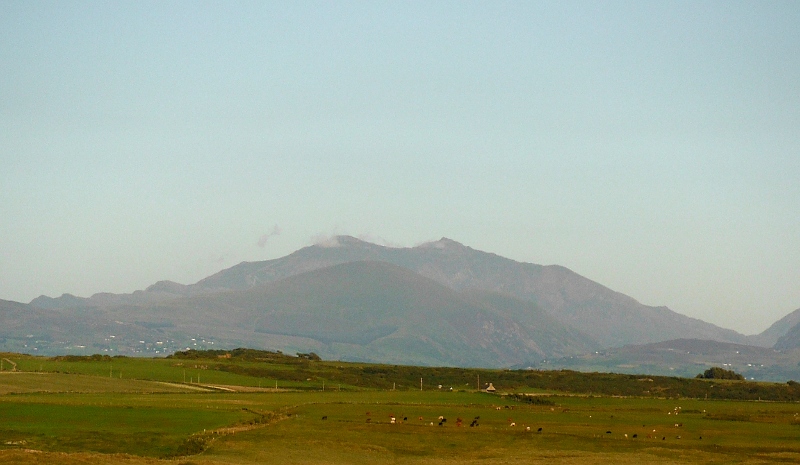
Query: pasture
{"points": [[89, 415]]}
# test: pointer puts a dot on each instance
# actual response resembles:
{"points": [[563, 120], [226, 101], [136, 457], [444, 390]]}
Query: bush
{"points": [[193, 445], [309, 356], [720, 373], [533, 400]]}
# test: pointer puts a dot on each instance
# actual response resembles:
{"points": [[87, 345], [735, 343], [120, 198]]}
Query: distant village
{"points": [[110, 345]]}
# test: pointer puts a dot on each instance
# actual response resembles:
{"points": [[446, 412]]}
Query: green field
{"points": [[140, 411]]}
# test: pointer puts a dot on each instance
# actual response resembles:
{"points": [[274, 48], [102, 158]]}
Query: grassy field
{"points": [[78, 412]]}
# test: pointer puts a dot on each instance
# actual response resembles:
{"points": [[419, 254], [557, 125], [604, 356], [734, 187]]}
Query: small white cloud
{"points": [[262, 241], [328, 242], [372, 239]]}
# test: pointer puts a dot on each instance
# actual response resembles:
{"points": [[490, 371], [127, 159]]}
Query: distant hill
{"points": [[687, 358], [440, 303], [777, 332], [609, 318], [376, 311], [790, 340], [65, 301], [30, 329]]}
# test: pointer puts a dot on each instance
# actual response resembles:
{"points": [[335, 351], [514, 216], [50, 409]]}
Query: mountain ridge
{"points": [[573, 299], [527, 312]]}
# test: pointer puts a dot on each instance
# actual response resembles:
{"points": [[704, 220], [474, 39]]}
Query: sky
{"points": [[653, 147]]}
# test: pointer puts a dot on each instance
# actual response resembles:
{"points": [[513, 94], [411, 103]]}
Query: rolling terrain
{"points": [[245, 406], [687, 358], [440, 303]]}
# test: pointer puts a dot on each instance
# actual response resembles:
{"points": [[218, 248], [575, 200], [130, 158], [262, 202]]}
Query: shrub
{"points": [[193, 445], [720, 373]]}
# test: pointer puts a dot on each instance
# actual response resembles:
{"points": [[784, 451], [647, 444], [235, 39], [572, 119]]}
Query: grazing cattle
{"points": [[527, 428], [420, 418], [405, 418], [512, 424], [325, 417], [539, 430], [635, 436], [608, 432]]}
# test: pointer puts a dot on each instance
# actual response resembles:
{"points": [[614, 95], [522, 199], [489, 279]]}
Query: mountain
{"points": [[375, 311], [30, 329], [775, 333], [610, 318], [65, 301], [439, 303], [790, 340]]}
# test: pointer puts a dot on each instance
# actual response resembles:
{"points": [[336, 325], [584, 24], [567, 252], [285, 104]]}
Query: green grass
{"points": [[102, 424], [259, 368], [74, 412], [573, 426], [22, 382], [205, 371]]}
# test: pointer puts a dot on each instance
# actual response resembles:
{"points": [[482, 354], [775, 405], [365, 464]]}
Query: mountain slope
{"points": [[437, 303], [790, 340], [610, 318], [380, 312], [30, 329], [771, 336]]}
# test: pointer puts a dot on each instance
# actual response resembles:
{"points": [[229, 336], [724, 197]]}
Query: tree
{"points": [[720, 373]]}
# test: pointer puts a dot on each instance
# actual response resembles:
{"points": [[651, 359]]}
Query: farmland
{"points": [[203, 408]]}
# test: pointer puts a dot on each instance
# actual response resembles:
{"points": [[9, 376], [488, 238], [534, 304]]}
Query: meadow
{"points": [[141, 411]]}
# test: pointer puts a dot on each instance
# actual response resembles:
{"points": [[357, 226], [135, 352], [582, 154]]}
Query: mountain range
{"points": [[439, 303]]}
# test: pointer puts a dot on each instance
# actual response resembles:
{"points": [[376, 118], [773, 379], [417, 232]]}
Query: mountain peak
{"points": [[166, 286], [50, 303], [444, 244]]}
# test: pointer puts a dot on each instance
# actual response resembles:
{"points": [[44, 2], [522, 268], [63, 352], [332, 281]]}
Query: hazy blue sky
{"points": [[653, 147]]}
